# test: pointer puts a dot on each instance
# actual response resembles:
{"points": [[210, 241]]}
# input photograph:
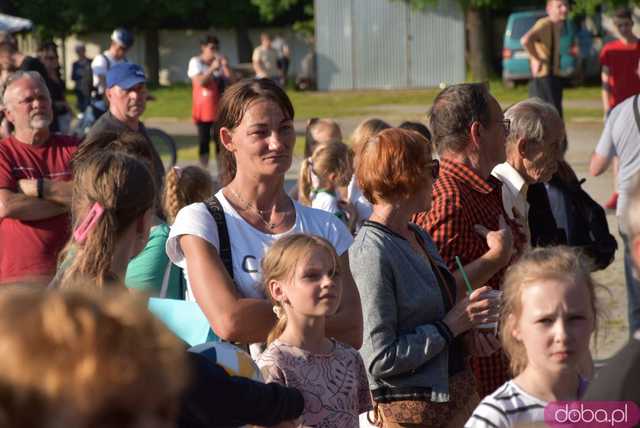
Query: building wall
{"points": [[177, 47], [365, 44]]}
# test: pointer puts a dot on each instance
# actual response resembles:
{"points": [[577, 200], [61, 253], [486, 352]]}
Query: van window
{"points": [[522, 25]]}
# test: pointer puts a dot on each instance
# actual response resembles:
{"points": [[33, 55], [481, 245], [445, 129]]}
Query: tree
{"points": [[64, 17]]}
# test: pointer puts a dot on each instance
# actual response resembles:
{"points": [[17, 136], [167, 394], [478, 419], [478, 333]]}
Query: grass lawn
{"points": [[175, 101]]}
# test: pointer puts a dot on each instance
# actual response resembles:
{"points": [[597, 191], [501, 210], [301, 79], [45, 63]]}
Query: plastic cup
{"points": [[491, 327]]}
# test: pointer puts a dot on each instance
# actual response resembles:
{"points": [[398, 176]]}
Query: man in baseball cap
{"points": [[121, 42], [126, 92]]}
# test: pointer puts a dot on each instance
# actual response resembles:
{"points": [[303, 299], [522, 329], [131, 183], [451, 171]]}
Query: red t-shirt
{"points": [[622, 61], [30, 248]]}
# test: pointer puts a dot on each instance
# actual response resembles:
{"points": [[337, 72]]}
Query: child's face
{"points": [[555, 325], [315, 289]]}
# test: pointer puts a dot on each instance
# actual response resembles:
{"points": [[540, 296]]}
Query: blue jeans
{"points": [[633, 290]]}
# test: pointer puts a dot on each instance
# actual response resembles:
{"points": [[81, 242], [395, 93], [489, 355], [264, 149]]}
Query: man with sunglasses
{"points": [[532, 148], [467, 219]]}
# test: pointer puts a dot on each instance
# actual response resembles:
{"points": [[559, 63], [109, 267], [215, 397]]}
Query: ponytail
{"points": [[281, 324], [184, 186], [170, 197], [304, 182], [92, 259]]}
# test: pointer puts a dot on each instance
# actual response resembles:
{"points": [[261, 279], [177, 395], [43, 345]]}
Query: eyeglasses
{"points": [[435, 168]]}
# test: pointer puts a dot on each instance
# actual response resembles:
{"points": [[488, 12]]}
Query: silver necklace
{"points": [[261, 213]]}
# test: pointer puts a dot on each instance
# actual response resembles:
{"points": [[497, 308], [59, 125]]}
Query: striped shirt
{"points": [[508, 406]]}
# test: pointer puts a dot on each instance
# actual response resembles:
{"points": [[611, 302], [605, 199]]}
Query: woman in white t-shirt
{"points": [[257, 135]]}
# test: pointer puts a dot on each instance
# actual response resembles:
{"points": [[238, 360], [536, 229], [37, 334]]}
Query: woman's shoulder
{"points": [[371, 237]]}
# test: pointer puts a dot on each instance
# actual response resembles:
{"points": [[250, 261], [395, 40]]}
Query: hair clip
{"points": [[81, 232], [178, 171]]}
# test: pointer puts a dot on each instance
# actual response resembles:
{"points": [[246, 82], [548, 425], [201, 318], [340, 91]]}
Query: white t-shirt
{"points": [[325, 201], [248, 244], [197, 66], [100, 66], [357, 199], [268, 57], [508, 406]]}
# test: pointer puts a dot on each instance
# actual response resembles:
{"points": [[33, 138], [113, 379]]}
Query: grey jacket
{"points": [[401, 300]]}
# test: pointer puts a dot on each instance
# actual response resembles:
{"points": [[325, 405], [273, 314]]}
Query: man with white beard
{"points": [[35, 184]]}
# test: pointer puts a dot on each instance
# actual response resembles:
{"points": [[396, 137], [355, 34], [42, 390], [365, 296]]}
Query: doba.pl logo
{"points": [[592, 414]]}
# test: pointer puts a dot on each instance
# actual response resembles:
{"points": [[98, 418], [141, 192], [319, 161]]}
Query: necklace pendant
{"points": [[272, 225]]}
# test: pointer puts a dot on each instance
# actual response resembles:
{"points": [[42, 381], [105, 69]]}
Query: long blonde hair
{"points": [[538, 265], [123, 186], [280, 262], [184, 186], [83, 355], [329, 158]]}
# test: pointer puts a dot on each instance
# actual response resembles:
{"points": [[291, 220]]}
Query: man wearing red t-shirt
{"points": [[35, 187], [619, 59], [620, 79]]}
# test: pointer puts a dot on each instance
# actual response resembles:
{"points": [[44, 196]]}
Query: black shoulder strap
{"points": [[106, 58], [636, 112], [216, 211]]}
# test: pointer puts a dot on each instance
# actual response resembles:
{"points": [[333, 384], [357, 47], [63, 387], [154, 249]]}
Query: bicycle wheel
{"points": [[165, 145]]}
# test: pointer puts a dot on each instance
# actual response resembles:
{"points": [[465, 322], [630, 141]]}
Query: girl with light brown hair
{"points": [[112, 209], [363, 133], [547, 339], [302, 278], [80, 359], [328, 168]]}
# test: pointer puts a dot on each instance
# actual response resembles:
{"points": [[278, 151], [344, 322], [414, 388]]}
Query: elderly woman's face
{"points": [[263, 141]]}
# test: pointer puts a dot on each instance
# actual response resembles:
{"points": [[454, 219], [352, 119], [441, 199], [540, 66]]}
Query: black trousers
{"points": [[207, 131], [549, 89]]}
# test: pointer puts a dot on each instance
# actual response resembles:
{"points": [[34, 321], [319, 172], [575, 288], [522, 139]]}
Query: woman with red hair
{"points": [[417, 326]]}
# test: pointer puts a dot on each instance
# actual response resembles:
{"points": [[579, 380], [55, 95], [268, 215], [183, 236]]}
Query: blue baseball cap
{"points": [[126, 75]]}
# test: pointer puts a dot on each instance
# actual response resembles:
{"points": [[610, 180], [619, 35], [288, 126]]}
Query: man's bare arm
{"points": [[53, 191], [606, 90], [22, 207]]}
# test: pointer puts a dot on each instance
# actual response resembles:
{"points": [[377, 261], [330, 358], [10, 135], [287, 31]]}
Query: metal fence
{"points": [[363, 44]]}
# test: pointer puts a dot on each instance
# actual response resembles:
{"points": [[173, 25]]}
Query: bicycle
{"points": [[164, 144]]}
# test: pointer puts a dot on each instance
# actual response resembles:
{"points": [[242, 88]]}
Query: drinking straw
{"points": [[464, 276]]}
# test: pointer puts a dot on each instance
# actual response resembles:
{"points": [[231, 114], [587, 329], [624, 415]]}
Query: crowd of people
{"points": [[419, 275]]}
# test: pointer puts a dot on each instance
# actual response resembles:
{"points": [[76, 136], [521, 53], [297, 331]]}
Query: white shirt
{"points": [[248, 244], [357, 199], [508, 406], [325, 201], [268, 58], [197, 66], [100, 66], [514, 190]]}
